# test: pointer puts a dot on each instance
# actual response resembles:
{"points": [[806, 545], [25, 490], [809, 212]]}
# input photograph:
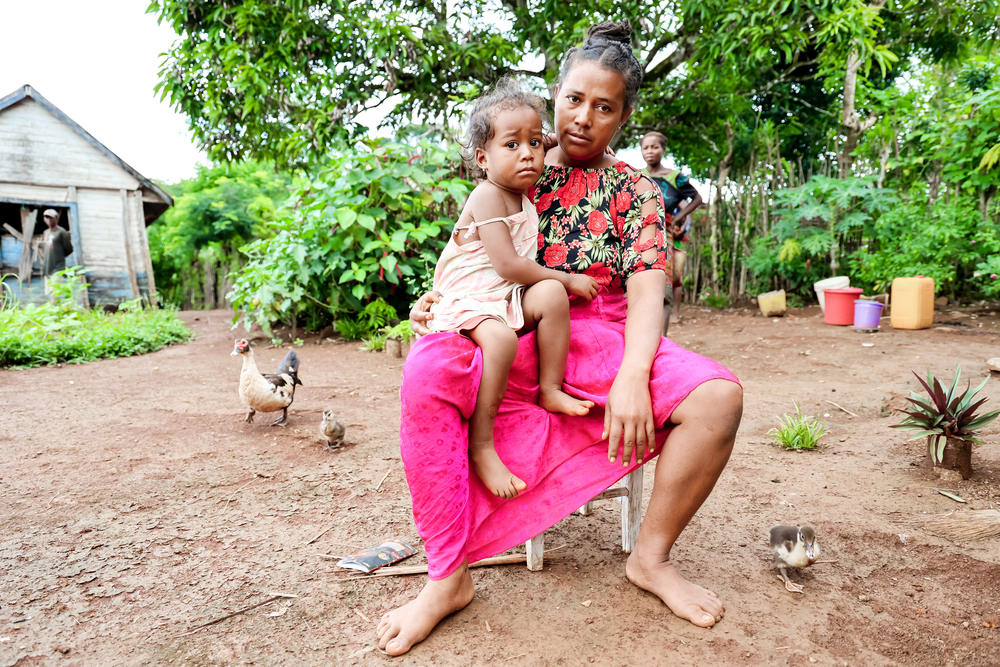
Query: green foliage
{"points": [[221, 209], [367, 227], [401, 332], [948, 413], [63, 332], [798, 432], [944, 241], [987, 276], [715, 300]]}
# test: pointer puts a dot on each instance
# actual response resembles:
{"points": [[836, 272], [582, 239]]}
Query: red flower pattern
{"points": [[544, 202], [555, 255], [597, 223], [599, 272], [574, 190], [599, 241]]}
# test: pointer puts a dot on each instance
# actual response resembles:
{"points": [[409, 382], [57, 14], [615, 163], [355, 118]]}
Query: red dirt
{"points": [[137, 504]]}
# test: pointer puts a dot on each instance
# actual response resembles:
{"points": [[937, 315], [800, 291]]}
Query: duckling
{"points": [[795, 547], [265, 392], [332, 429]]}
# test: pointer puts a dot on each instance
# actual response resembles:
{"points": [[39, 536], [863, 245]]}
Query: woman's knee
{"points": [[720, 401]]}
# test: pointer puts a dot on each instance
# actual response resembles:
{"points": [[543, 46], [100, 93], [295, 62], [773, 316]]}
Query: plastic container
{"points": [[867, 315], [837, 282], [840, 306], [912, 303], [772, 304]]}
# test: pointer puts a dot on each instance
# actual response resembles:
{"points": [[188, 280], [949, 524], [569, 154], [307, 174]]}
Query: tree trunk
{"points": [[723, 176], [27, 234], [851, 124], [209, 266]]}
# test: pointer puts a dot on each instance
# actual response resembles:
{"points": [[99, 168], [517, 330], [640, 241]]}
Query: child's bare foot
{"points": [[495, 475], [687, 600], [555, 400], [401, 628]]}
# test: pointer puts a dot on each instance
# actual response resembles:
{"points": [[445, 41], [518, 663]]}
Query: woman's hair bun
{"points": [[614, 31]]}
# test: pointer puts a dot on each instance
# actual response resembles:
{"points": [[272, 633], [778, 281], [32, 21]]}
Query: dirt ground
{"points": [[136, 504]]}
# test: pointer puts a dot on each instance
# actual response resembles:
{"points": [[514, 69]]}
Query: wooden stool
{"points": [[630, 493]]}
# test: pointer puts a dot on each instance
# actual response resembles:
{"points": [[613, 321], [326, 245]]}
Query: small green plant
{"points": [[798, 432], [948, 414], [277, 341], [719, 301], [402, 332], [374, 343]]}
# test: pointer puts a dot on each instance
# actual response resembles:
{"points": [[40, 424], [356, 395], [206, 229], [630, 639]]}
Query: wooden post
{"points": [[133, 282], [535, 548], [587, 509], [147, 257], [631, 509], [27, 233]]}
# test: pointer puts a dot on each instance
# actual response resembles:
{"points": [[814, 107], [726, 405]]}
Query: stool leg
{"points": [[587, 509], [535, 547], [631, 509]]}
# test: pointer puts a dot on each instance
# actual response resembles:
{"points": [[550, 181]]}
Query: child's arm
{"points": [[512, 267]]}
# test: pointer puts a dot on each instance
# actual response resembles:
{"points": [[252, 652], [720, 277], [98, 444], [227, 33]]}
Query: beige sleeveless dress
{"points": [[472, 291]]}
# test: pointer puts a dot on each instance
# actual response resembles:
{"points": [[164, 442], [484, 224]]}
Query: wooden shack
{"points": [[49, 161]]}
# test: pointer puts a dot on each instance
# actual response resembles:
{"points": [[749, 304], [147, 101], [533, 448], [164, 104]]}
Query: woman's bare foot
{"points": [[698, 605], [555, 400], [495, 475], [401, 628]]}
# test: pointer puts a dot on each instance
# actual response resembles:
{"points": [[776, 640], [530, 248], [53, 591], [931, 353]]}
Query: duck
{"points": [[263, 392], [332, 429], [793, 547]]}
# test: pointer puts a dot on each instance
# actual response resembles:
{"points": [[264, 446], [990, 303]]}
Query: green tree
{"points": [[194, 244]]}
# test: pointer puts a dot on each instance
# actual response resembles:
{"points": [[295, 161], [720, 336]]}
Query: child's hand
{"points": [[582, 285]]}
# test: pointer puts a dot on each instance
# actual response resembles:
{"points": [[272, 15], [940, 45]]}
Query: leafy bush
{"points": [[715, 300], [369, 322], [195, 243], [369, 226], [798, 432], [823, 219], [62, 331], [945, 241]]}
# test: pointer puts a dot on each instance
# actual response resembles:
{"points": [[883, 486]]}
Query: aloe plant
{"points": [[948, 414]]}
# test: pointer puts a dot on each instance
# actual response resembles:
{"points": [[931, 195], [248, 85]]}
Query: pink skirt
{"points": [[562, 459]]}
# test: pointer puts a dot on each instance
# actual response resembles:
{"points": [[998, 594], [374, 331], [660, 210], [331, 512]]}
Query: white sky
{"points": [[97, 61]]}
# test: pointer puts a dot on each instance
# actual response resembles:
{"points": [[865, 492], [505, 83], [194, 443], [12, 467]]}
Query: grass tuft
{"points": [[798, 432]]}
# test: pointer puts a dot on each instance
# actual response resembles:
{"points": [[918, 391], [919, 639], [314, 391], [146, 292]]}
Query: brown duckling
{"points": [[793, 547]]}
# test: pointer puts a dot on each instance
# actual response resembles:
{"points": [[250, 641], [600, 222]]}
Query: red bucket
{"points": [[840, 305]]}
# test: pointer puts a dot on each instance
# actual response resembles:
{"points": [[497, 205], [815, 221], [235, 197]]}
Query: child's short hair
{"points": [[506, 94], [659, 136]]}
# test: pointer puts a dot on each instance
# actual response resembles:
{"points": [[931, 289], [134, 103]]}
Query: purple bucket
{"points": [[867, 314]]}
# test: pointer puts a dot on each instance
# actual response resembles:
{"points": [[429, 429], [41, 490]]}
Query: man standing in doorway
{"points": [[676, 188], [57, 244]]}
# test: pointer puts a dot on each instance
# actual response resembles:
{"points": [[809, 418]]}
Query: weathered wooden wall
{"points": [[44, 160]]}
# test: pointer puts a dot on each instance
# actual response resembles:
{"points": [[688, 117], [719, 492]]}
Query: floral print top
{"points": [[589, 221]]}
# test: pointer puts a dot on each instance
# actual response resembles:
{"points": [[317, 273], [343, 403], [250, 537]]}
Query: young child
{"points": [[492, 289]]}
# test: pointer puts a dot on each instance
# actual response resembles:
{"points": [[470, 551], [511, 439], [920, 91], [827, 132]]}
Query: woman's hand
{"points": [[582, 286], [628, 418], [420, 314]]}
